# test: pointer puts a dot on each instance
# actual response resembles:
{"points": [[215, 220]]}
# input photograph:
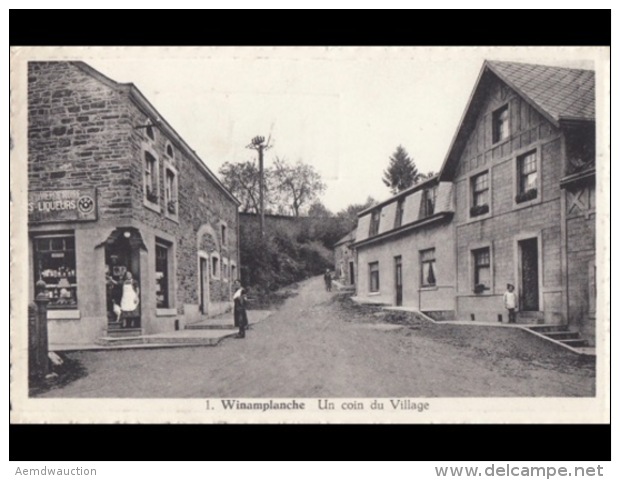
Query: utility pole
{"points": [[258, 143]]}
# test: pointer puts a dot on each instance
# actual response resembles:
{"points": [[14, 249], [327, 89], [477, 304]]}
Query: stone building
{"points": [[345, 260], [405, 250], [522, 163], [114, 189]]}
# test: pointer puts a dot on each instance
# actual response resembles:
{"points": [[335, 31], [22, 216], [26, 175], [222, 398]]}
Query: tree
{"points": [[426, 176], [318, 210], [242, 179], [297, 184], [349, 214], [401, 172]]}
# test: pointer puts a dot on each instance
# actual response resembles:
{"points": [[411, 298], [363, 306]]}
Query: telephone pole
{"points": [[258, 143]]}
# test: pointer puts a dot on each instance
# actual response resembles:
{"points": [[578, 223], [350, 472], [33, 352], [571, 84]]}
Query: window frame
{"points": [[167, 247], [424, 201], [475, 274], [154, 175], [432, 262], [37, 269], [518, 155], [173, 196], [484, 209], [371, 271], [215, 265], [400, 213], [375, 222], [498, 122], [224, 234]]}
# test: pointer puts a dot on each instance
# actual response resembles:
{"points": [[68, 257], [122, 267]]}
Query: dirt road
{"points": [[319, 345]]}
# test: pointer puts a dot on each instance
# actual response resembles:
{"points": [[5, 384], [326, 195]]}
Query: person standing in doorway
{"points": [[240, 313], [328, 280], [130, 301], [510, 303]]}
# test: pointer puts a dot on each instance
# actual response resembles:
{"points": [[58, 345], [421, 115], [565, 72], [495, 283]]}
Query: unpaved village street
{"points": [[319, 344]]}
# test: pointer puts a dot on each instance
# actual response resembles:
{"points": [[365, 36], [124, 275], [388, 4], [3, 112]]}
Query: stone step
{"points": [[210, 326], [130, 340], [577, 342], [116, 331], [563, 335], [544, 329]]}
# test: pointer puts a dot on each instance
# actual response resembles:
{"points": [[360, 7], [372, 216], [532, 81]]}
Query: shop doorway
{"points": [[528, 275], [123, 286]]}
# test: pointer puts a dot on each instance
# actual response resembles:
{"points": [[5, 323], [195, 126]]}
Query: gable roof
{"points": [[349, 237], [136, 96], [557, 93]]}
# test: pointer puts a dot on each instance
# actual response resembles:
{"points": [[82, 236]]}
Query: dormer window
{"points": [[501, 124], [375, 218], [400, 212], [429, 198]]}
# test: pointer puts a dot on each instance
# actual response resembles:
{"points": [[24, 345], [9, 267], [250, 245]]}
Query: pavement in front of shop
{"points": [[206, 333]]}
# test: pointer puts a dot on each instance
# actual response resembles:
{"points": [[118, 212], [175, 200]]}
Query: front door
{"points": [[398, 273], [529, 281], [204, 284], [122, 256]]}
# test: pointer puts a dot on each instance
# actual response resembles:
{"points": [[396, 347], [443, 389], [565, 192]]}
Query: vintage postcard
{"points": [[310, 235]]}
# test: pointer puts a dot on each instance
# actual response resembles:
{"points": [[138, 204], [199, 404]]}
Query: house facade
{"points": [[405, 250], [345, 261], [522, 165], [113, 189]]}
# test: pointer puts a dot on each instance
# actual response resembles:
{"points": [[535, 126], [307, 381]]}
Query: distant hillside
{"points": [[294, 248]]}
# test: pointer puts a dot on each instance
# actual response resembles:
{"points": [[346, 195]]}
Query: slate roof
{"points": [[562, 93], [558, 93], [349, 237]]}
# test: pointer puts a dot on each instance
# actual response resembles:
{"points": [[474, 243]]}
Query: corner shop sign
{"points": [[62, 205]]}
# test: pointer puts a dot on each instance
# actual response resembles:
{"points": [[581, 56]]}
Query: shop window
{"points": [[374, 276], [54, 263], [162, 274], [501, 124], [429, 198], [482, 269], [375, 218], [400, 212], [151, 192], [170, 191], [427, 263], [527, 177], [479, 194]]}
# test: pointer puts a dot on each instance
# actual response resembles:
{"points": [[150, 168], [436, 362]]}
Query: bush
{"points": [[279, 259]]}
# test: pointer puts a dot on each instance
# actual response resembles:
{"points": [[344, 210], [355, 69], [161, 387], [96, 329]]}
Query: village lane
{"points": [[319, 345]]}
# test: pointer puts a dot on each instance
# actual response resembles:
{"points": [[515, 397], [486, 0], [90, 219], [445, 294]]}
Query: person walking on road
{"points": [[240, 313], [328, 280], [510, 303]]}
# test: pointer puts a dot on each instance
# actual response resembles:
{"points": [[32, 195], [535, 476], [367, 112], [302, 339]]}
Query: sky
{"points": [[342, 110]]}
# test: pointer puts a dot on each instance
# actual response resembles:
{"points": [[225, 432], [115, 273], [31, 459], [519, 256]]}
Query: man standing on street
{"points": [[510, 303], [240, 314], [328, 280]]}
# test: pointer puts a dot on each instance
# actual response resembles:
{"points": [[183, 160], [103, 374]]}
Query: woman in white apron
{"points": [[130, 301]]}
